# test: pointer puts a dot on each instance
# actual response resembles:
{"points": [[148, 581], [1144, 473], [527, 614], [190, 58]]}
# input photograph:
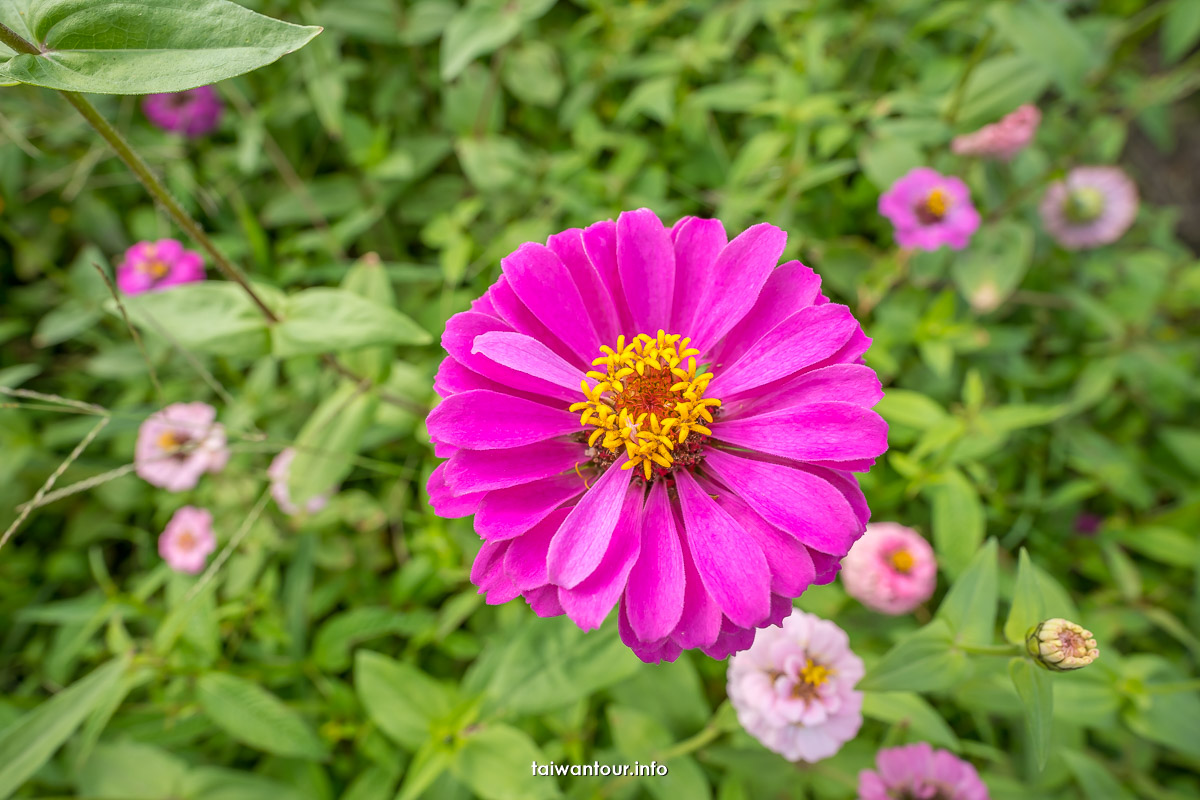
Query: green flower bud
{"points": [[1061, 645]]}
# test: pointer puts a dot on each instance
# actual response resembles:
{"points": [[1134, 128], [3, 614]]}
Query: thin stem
{"points": [[14, 41], [960, 89]]}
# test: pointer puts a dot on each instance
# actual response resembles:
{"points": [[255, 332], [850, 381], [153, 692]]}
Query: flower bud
{"points": [[1061, 645]]}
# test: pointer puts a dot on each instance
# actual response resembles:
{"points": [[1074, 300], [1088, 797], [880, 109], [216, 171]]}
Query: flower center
{"points": [[935, 207], [172, 441], [186, 540], [902, 560], [646, 402], [1084, 204], [815, 674]]}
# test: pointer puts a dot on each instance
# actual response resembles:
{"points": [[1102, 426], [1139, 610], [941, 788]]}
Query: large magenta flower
{"points": [[661, 418]]}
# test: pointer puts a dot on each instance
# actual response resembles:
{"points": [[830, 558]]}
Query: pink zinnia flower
{"points": [[1093, 206], [657, 417], [177, 445], [193, 113], [890, 569], [1003, 139], [187, 540], [929, 210], [156, 265], [278, 473], [793, 690], [919, 771]]}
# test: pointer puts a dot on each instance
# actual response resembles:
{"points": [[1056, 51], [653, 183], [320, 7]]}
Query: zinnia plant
{"points": [[891, 569], [1091, 207], [929, 210], [1001, 140], [156, 265], [188, 539], [919, 771], [179, 444], [661, 418]]}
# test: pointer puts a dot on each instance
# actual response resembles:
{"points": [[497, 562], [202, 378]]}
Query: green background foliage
{"points": [[370, 182]]}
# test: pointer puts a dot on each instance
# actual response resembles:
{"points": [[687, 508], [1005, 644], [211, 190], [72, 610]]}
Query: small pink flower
{"points": [[177, 445], [1093, 206], [929, 210], [919, 771], [193, 113], [278, 473], [793, 690], [187, 540], [1003, 139], [156, 265], [891, 569]]}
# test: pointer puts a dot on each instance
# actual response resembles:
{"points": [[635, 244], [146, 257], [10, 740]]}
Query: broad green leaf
{"points": [[131, 771], [433, 759], [969, 608], [906, 407], [488, 762], [1043, 33], [475, 31], [147, 46], [368, 279], [1184, 443], [994, 264], [328, 442], [924, 661], [532, 74], [1094, 779], [1028, 608], [885, 160], [28, 743], [1180, 29], [958, 523], [1168, 718], [671, 691], [337, 635], [214, 317], [373, 783], [321, 320], [998, 85], [255, 717], [491, 163], [1035, 688], [401, 699], [641, 738], [913, 712], [216, 783]]}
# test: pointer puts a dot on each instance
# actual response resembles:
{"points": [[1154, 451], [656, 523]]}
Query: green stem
{"points": [[1174, 687], [960, 89], [14, 41], [690, 745], [991, 649]]}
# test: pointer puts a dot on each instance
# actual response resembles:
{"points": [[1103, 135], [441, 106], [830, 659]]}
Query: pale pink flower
{"points": [[1093, 206], [891, 569], [1003, 139], [177, 445], [188, 539], [149, 266], [793, 690], [278, 473], [920, 772], [930, 210]]}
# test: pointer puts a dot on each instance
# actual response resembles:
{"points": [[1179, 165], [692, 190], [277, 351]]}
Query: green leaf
{"points": [[532, 74], [341, 632], [476, 31], [214, 317], [1044, 34], [492, 761], [131, 771], [924, 661], [998, 85], [433, 759], [28, 743], [905, 407], [401, 699], [1180, 29], [912, 711], [640, 737], [255, 717], [993, 266], [328, 442], [1096, 782], [215, 783], [1035, 688], [148, 46], [885, 160], [969, 608], [1028, 608], [491, 163], [958, 523], [321, 320]]}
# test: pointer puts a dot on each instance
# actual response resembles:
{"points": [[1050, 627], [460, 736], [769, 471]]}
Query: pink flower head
{"points": [[193, 113], [156, 265], [929, 210], [919, 771], [891, 569], [657, 417], [278, 473], [1093, 206], [1003, 139], [793, 690], [177, 445], [187, 540]]}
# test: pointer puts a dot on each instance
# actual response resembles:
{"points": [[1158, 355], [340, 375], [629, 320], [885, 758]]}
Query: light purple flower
{"points": [[1093, 206], [919, 771], [177, 445], [891, 569], [930, 210], [1003, 139], [188, 539], [193, 113], [278, 473], [793, 690], [149, 266], [701, 482]]}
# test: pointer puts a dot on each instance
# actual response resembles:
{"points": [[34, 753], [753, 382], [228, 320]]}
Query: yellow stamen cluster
{"points": [[937, 203], [902, 560], [170, 441], [646, 400], [815, 674]]}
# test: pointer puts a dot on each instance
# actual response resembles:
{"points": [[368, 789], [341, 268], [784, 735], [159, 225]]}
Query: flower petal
{"points": [[791, 564], [583, 538], [790, 288], [654, 593], [525, 562], [483, 420], [588, 603], [731, 564], [488, 574], [700, 623], [485, 470], [737, 277], [447, 503], [505, 513], [600, 244], [850, 383], [568, 246], [530, 357], [459, 341], [646, 262], [798, 502], [698, 242], [514, 313], [826, 432], [545, 287]]}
